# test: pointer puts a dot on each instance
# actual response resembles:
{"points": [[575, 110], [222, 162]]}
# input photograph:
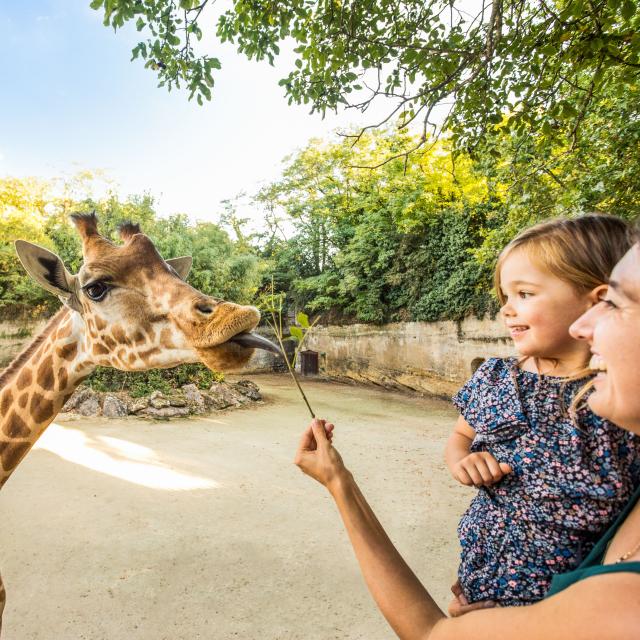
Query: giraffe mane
{"points": [[24, 355]]}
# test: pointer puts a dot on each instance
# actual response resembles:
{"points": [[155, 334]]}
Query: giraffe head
{"points": [[138, 312]]}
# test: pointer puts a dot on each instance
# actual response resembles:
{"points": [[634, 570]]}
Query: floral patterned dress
{"points": [[571, 477]]}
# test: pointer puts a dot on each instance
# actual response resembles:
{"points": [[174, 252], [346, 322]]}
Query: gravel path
{"points": [[203, 528]]}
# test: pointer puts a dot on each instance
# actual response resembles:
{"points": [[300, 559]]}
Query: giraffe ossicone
{"points": [[126, 308]]}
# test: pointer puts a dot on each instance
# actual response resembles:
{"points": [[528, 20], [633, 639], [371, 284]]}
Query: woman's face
{"points": [[612, 329]]}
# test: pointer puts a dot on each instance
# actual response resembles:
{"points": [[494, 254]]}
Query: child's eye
{"points": [[524, 294]]}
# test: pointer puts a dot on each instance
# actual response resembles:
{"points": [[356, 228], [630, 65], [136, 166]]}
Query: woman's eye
{"points": [[608, 303], [96, 291]]}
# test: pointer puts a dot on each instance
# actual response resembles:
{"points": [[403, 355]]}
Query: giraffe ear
{"points": [[47, 270], [181, 265]]}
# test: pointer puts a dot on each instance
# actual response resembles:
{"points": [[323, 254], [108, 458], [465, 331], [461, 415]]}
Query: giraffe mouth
{"points": [[254, 341]]}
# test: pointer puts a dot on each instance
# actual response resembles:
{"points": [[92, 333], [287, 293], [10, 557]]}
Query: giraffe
{"points": [[126, 308]]}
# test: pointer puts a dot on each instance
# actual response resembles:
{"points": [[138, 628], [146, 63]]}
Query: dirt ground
{"points": [[203, 528]]}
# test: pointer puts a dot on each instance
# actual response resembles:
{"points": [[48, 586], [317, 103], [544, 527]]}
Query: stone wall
{"points": [[428, 357], [15, 335]]}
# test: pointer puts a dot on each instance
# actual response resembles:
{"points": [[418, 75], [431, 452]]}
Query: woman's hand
{"points": [[316, 456], [479, 470]]}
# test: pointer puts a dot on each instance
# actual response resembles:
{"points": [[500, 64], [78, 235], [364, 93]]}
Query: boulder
{"points": [[166, 412], [195, 400], [248, 389], [90, 405], [78, 396], [177, 400], [222, 396], [158, 400], [138, 404], [113, 407]]}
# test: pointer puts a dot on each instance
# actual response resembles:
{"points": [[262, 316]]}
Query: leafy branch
{"points": [[271, 304]]}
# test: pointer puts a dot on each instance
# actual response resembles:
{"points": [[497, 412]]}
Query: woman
{"points": [[601, 599]]}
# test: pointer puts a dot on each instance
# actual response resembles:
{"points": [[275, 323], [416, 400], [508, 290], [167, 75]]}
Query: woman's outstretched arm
{"points": [[599, 608]]}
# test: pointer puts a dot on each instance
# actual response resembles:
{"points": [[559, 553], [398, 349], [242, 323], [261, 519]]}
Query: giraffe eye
{"points": [[96, 290]]}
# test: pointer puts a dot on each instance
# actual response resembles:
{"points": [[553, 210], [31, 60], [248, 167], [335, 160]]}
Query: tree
{"points": [[535, 65]]}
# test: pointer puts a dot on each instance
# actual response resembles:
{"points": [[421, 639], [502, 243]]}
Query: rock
{"points": [[221, 396], [90, 406], [166, 412], [177, 400], [113, 407], [195, 400], [138, 404], [78, 396], [248, 389], [158, 400]]}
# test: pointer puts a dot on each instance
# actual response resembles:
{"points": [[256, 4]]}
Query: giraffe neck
{"points": [[35, 386]]}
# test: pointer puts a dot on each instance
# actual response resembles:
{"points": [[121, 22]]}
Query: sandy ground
{"points": [[203, 528]]}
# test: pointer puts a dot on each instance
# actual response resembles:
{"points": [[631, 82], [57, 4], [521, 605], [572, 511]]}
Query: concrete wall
{"points": [[15, 335], [428, 357]]}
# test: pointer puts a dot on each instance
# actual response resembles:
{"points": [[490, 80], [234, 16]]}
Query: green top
{"points": [[592, 564]]}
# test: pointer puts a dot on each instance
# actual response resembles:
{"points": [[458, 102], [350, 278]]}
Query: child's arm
{"points": [[471, 469]]}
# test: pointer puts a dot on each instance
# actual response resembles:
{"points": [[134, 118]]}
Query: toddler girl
{"points": [[550, 478]]}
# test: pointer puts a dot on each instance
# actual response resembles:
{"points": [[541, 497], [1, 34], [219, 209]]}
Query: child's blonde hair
{"points": [[581, 251]]}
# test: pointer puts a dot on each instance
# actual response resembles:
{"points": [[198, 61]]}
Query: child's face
{"points": [[539, 308]]}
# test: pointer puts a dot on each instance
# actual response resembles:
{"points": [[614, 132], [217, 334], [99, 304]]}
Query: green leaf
{"points": [[628, 9], [302, 319], [296, 333]]}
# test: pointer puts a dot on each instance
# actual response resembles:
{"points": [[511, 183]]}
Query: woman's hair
{"points": [[581, 251]]}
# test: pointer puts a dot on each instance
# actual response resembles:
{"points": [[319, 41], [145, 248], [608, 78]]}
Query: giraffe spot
{"points": [[121, 353], [15, 427], [11, 453], [23, 399], [64, 331], [145, 355], [45, 373], [109, 341], [63, 379], [24, 379], [99, 349], [41, 409], [100, 323], [7, 399], [68, 351], [132, 358], [118, 334], [139, 337], [165, 338]]}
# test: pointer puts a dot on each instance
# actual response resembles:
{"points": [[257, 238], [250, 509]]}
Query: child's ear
{"points": [[595, 295], [48, 271]]}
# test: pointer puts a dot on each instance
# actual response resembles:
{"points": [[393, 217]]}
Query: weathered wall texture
{"points": [[428, 357], [15, 335]]}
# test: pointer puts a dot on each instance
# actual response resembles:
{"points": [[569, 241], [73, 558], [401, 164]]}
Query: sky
{"points": [[71, 99]]}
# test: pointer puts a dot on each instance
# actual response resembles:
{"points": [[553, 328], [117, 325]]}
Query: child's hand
{"points": [[480, 470]]}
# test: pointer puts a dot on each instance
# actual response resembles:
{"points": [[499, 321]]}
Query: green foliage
{"points": [[30, 209], [390, 244], [527, 65], [142, 383]]}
